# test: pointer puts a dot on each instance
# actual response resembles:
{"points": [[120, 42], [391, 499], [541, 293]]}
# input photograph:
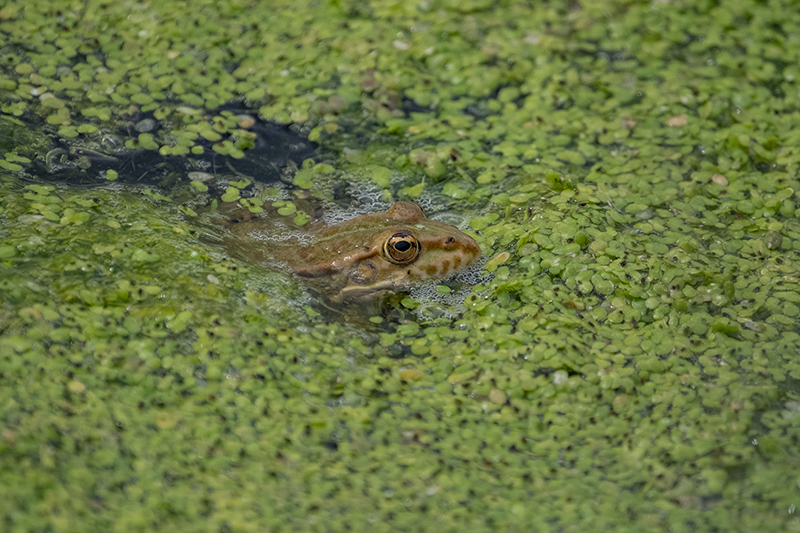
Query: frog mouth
{"points": [[361, 293]]}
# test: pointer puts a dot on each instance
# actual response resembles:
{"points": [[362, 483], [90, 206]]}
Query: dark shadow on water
{"points": [[275, 152]]}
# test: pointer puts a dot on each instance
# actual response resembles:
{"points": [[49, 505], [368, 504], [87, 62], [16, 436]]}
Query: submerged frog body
{"points": [[365, 256]]}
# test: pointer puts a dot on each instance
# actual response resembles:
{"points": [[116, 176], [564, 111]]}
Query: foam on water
{"points": [[368, 200]]}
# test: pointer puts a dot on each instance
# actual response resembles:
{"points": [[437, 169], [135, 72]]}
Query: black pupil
{"points": [[402, 246]]}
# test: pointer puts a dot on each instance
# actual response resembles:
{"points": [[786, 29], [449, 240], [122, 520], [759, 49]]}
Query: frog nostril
{"points": [[449, 241]]}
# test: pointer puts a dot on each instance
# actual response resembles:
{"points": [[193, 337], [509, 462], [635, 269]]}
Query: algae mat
{"points": [[628, 359]]}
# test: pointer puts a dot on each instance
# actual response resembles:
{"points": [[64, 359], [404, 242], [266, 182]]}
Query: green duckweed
{"points": [[627, 360]]}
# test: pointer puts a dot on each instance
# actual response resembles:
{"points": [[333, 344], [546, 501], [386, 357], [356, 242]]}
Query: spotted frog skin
{"points": [[364, 257]]}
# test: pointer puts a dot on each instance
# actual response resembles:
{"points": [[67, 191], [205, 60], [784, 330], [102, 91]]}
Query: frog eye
{"points": [[401, 248]]}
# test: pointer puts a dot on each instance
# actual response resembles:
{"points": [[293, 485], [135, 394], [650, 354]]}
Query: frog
{"points": [[360, 259]]}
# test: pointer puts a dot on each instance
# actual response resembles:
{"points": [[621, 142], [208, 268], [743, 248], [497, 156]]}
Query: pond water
{"points": [[625, 357]]}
